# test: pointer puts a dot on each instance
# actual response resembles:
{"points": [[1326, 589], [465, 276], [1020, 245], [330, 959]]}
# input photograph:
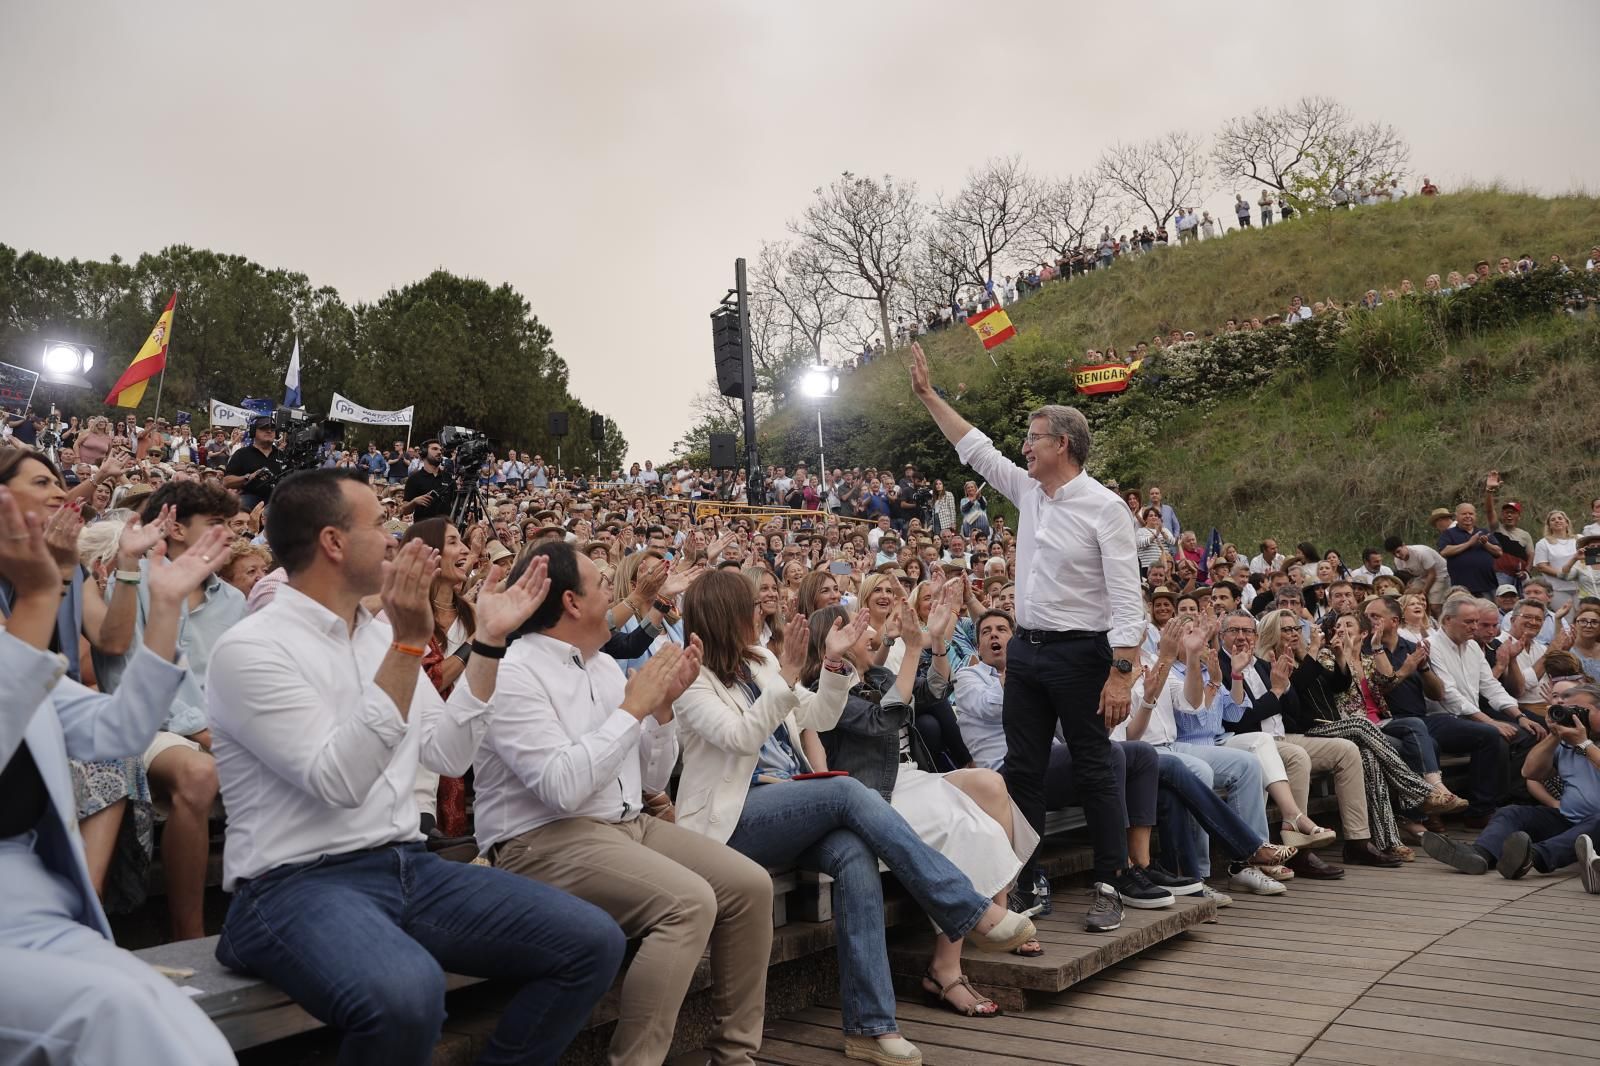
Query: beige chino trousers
{"points": [[676, 891], [1321, 754]]}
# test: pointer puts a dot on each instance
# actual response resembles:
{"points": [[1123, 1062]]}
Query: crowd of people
{"points": [[638, 694]]}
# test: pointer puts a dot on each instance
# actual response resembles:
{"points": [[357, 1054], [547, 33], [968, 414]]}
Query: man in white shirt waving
{"points": [[319, 717], [563, 778], [1080, 621]]}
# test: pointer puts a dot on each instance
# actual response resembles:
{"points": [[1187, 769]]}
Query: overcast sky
{"points": [[611, 161]]}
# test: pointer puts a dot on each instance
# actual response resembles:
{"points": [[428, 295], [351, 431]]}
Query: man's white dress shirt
{"points": [[1077, 568], [561, 746], [313, 757], [1466, 674]]}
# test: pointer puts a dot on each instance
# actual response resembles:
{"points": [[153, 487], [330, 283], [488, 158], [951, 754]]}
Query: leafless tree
{"points": [[857, 239], [995, 207], [1270, 144], [810, 311], [939, 270], [1157, 176], [1071, 212]]}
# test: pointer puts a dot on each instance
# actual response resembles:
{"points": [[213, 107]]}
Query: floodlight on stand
{"points": [[819, 382], [65, 363], [62, 359]]}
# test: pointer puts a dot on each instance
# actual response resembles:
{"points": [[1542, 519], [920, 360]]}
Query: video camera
{"points": [[303, 436], [467, 449]]}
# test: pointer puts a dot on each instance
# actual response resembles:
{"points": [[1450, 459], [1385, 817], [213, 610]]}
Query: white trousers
{"points": [[69, 995], [1264, 747]]}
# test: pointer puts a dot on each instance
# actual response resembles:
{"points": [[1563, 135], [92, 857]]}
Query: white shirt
{"points": [[313, 757], [1422, 558], [1530, 681], [979, 698], [1372, 575], [1466, 674], [1076, 564], [1259, 564], [1162, 728], [561, 746]]}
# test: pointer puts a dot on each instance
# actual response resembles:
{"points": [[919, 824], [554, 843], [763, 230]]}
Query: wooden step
{"points": [[1071, 953]]}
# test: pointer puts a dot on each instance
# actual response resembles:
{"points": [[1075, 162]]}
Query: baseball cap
{"points": [[1505, 590], [1511, 505]]}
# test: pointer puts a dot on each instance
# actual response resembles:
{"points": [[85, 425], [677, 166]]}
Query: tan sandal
{"points": [[941, 998]]}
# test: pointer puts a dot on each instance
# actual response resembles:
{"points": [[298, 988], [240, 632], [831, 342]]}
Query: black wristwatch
{"points": [[1122, 665]]}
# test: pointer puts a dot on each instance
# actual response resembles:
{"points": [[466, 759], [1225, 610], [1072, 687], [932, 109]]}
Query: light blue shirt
{"points": [[198, 632], [1580, 784], [979, 700]]}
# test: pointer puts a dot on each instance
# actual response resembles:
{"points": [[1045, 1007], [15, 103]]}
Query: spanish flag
{"points": [[992, 326], [151, 360]]}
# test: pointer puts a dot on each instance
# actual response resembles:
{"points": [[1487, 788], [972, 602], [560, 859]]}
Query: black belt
{"points": [[1055, 636]]}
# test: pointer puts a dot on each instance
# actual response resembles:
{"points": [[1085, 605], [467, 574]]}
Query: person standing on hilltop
{"points": [[1241, 210], [1080, 621]]}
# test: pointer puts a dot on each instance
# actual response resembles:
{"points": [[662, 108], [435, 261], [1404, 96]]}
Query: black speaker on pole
{"points": [[558, 424], [724, 451], [728, 348], [597, 428]]}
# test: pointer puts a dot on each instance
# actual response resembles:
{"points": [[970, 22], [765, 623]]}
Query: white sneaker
{"points": [[1588, 865], [1222, 899], [1249, 879]]}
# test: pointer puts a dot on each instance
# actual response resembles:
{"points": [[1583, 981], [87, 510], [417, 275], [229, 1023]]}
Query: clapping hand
{"points": [[1282, 670], [172, 583], [139, 537], [1171, 638], [502, 606], [678, 581], [1194, 639], [61, 536], [796, 641], [407, 593], [845, 635], [911, 630]]}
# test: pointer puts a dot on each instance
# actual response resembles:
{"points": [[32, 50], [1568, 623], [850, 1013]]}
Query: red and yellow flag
{"points": [[151, 360], [1104, 377], [992, 326]]}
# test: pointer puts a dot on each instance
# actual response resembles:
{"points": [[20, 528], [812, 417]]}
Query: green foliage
{"points": [[462, 351]]}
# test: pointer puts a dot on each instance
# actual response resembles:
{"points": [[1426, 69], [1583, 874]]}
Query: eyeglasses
{"points": [[1035, 438], [1239, 631]]}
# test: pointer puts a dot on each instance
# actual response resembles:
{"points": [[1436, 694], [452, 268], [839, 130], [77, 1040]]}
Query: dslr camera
{"points": [[1567, 714]]}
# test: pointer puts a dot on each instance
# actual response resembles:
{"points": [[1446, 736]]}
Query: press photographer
{"points": [[429, 491], [251, 471]]}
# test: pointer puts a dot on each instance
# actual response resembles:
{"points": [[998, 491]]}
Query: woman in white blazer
{"points": [[65, 987], [739, 724]]}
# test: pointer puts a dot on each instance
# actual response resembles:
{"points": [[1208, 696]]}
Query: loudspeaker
{"points": [[724, 451], [597, 428], [728, 350], [558, 424]]}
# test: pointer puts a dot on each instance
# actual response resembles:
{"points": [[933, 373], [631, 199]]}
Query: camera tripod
{"points": [[468, 506]]}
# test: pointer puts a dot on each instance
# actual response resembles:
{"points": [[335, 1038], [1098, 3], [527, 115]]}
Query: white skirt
{"points": [[950, 822]]}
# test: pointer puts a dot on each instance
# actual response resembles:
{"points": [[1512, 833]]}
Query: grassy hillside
{"points": [[1348, 448]]}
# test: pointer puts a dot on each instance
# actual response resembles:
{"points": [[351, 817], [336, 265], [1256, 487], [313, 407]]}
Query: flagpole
{"points": [[159, 383]]}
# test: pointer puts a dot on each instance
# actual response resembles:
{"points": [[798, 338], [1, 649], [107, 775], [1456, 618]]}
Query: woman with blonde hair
{"points": [[739, 786], [1416, 621], [1554, 556]]}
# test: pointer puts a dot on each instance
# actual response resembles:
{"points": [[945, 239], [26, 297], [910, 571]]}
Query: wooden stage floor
{"points": [[1419, 966]]}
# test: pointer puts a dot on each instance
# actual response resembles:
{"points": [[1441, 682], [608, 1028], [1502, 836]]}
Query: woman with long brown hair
{"points": [[745, 783]]}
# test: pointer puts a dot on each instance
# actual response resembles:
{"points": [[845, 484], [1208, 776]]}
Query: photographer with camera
{"points": [[429, 491], [251, 471], [1520, 837]]}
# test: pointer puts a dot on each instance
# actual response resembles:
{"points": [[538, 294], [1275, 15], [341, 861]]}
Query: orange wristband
{"points": [[406, 649]]}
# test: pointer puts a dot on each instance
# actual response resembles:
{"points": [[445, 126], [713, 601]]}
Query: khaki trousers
{"points": [[677, 890], [1304, 756]]}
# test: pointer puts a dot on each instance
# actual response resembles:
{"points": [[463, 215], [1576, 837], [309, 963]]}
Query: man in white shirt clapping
{"points": [[574, 758], [320, 716]]}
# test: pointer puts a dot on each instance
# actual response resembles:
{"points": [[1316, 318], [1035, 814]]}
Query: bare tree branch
{"points": [[997, 204], [1157, 176]]}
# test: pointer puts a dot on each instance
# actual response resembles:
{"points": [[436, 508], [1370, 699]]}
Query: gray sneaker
{"points": [[1105, 909], [1588, 865]]}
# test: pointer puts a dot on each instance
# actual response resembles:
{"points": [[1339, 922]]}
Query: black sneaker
{"points": [[1032, 899], [1467, 858], [1041, 894], [1105, 909], [1177, 884], [1516, 856], [1137, 891]]}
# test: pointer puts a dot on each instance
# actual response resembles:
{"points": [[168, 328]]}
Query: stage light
{"points": [[819, 382], [62, 359]]}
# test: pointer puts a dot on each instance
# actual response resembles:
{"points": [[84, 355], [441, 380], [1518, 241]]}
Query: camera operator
{"points": [[251, 471], [1520, 837], [429, 491]]}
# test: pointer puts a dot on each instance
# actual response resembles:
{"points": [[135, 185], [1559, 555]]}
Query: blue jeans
{"points": [[1414, 743], [362, 941], [1237, 774], [841, 827], [1491, 757], [1193, 812], [1555, 837]]}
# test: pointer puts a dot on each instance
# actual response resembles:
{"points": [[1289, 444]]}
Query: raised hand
{"points": [[651, 686], [1171, 638], [678, 581], [648, 580], [138, 538], [1282, 670], [796, 641], [406, 593], [1193, 640], [911, 630], [25, 559], [171, 583], [919, 371], [502, 607], [845, 635], [688, 669]]}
